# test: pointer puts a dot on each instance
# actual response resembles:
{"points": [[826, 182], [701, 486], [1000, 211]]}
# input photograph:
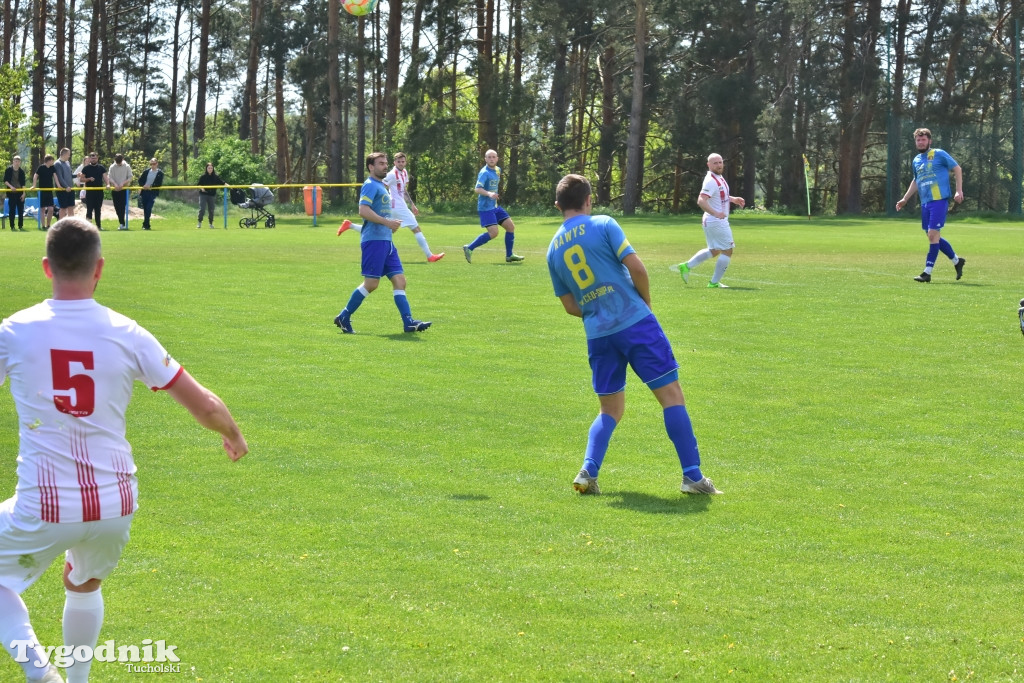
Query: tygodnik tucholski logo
{"points": [[153, 656]]}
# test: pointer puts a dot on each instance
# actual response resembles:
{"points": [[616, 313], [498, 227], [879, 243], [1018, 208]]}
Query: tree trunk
{"points": [[247, 119], [59, 71], [516, 60], [857, 87], [634, 143], [559, 105], [110, 41], [748, 121], [361, 99], [949, 81], [334, 162], [188, 100], [175, 47], [486, 128], [199, 131], [391, 65], [8, 34], [608, 125], [926, 57], [92, 78], [41, 18], [280, 126], [69, 98]]}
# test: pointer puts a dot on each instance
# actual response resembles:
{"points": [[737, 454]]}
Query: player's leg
{"points": [[490, 225], [394, 272], [28, 547], [650, 356], [87, 564], [724, 258], [608, 378], [510, 235]]}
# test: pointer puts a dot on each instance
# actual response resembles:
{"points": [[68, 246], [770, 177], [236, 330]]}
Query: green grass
{"points": [[406, 510]]}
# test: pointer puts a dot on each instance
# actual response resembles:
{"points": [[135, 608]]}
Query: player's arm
{"points": [[705, 205], [908, 195], [35, 181], [738, 201], [368, 214], [410, 202], [958, 175], [638, 273], [209, 411], [570, 305], [485, 192]]}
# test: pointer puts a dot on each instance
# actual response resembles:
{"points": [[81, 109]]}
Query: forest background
{"points": [[634, 95]]}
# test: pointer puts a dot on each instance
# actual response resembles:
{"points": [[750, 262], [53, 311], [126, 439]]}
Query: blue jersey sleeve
{"points": [[561, 288], [616, 239]]}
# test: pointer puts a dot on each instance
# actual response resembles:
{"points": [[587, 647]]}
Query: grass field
{"points": [[406, 509]]}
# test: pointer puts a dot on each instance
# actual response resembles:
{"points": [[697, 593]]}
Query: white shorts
{"points": [[718, 233], [28, 546], [402, 213]]}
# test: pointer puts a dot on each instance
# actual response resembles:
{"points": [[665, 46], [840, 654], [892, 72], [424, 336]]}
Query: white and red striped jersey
{"points": [[717, 191], [72, 365], [397, 182]]}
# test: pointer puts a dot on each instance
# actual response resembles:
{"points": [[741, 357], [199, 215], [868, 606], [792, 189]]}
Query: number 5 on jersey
{"points": [[82, 385], [576, 262]]}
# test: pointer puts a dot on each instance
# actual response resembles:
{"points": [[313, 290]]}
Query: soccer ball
{"points": [[359, 8]]}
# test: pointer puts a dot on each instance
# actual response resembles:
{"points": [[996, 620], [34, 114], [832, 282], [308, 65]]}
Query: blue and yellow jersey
{"points": [[931, 171], [488, 180], [374, 194], [585, 259]]}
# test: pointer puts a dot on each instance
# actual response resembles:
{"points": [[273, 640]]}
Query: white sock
{"points": [[83, 617], [928, 269], [422, 239], [698, 258], [358, 227], [363, 290], [14, 625], [720, 266]]}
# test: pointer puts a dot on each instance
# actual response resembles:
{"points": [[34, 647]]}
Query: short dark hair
{"points": [[48, 157], [572, 192], [923, 131], [400, 155], [372, 158], [73, 247]]}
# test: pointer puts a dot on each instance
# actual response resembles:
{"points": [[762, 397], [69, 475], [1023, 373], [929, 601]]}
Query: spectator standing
{"points": [[66, 196], [151, 180], [14, 181], [94, 175], [208, 196], [119, 176]]}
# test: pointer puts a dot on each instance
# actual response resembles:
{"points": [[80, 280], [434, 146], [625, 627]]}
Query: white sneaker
{"points": [[703, 486], [52, 676], [586, 484]]}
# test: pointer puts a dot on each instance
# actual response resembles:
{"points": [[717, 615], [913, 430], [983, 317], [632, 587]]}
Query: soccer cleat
{"points": [[52, 676], [586, 484], [345, 225], [514, 258], [417, 326], [959, 265], [344, 323], [704, 486], [717, 285], [924, 277], [684, 270], [434, 258], [468, 253], [199, 226]]}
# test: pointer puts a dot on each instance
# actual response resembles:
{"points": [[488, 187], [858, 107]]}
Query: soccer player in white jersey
{"points": [[72, 363], [715, 201], [403, 207]]}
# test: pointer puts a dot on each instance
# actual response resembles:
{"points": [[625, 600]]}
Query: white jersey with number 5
{"points": [[72, 365]]}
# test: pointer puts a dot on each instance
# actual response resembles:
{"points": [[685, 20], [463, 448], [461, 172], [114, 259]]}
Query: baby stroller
{"points": [[256, 200]]}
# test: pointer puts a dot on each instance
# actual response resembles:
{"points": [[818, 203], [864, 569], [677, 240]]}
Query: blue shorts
{"points": [[495, 216], [380, 259], [643, 347], [933, 214]]}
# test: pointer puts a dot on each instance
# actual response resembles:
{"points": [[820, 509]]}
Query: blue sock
{"points": [[358, 294], [510, 239], [402, 303], [480, 241], [933, 253], [680, 431], [597, 443], [947, 249]]}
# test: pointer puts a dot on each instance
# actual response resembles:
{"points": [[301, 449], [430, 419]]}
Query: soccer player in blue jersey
{"points": [[931, 181], [380, 257], [491, 215], [598, 277]]}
